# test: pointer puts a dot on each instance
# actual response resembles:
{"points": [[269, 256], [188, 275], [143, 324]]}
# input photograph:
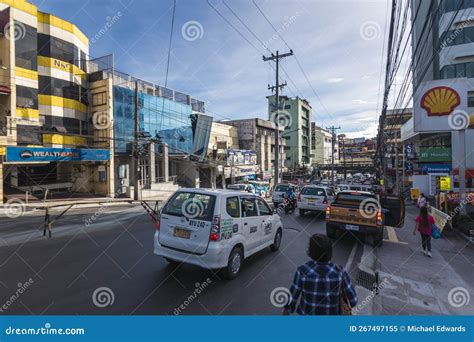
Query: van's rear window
{"points": [[282, 188], [191, 205], [313, 191]]}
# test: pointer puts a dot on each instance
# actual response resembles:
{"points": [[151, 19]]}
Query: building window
{"points": [[99, 99], [470, 100], [26, 97], [26, 46], [287, 106], [66, 89]]}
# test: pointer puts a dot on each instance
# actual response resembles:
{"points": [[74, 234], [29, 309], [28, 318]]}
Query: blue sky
{"points": [[338, 43]]}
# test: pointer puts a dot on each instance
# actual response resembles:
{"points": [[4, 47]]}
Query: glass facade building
{"points": [[160, 118]]}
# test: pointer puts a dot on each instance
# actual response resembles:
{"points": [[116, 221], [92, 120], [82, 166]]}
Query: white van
{"points": [[215, 228]]}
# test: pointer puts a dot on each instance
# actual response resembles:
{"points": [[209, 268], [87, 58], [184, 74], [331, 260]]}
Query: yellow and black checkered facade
{"points": [[48, 77]]}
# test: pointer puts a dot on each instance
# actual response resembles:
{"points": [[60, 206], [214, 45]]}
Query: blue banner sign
{"points": [[435, 167], [46, 154], [224, 328]]}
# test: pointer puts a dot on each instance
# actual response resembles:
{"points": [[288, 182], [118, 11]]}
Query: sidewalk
{"points": [[414, 284], [96, 202]]}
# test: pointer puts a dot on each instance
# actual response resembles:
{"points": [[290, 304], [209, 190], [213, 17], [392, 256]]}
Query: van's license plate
{"points": [[352, 227], [182, 233]]}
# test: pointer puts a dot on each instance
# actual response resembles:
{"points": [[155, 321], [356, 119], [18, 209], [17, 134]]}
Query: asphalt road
{"points": [[116, 252]]}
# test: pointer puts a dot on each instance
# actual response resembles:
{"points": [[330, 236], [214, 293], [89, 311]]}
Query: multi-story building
{"points": [[259, 135], [322, 146], [172, 133], [394, 121], [44, 119], [68, 124], [356, 151], [448, 42], [295, 116]]}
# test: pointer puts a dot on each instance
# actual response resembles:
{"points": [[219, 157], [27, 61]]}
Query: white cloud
{"points": [[335, 80]]}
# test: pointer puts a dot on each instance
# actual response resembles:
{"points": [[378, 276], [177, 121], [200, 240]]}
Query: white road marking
{"points": [[351, 258]]}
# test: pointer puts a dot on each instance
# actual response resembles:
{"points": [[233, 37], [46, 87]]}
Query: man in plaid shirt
{"points": [[317, 284]]}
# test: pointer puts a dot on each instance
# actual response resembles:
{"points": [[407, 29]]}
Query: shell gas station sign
{"points": [[441, 105]]}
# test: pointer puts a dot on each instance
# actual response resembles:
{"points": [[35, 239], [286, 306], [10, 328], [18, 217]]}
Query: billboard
{"points": [[435, 154], [441, 105], [46, 154]]}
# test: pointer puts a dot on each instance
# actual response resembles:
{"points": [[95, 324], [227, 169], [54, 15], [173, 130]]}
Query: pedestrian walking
{"points": [[422, 201], [321, 287], [424, 225]]}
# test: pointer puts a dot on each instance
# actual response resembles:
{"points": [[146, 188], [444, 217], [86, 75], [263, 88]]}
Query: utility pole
{"points": [[344, 157], [277, 57], [332, 129], [135, 162], [397, 174]]}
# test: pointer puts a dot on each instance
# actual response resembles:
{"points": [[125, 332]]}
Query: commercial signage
{"points": [[429, 168], [440, 105], [44, 154], [455, 197], [408, 167], [409, 151], [435, 154], [242, 157], [445, 183]]}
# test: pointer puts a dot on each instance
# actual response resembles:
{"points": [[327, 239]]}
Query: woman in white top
{"points": [[422, 202]]}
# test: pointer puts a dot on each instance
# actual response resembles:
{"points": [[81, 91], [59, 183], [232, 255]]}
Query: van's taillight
{"points": [[158, 220], [325, 200], [379, 218], [215, 228], [328, 212], [299, 197]]}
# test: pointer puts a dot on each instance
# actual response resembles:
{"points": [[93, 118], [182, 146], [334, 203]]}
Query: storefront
{"points": [[75, 170]]}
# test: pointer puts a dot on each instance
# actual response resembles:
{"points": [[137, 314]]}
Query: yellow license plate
{"points": [[182, 233], [311, 200]]}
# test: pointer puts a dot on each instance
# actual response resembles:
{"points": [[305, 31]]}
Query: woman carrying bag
{"points": [[424, 225]]}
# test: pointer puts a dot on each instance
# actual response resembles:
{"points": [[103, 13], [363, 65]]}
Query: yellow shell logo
{"points": [[440, 101]]}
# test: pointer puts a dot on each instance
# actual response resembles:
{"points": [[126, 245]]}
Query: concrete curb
{"points": [[39, 207], [366, 297], [469, 239]]}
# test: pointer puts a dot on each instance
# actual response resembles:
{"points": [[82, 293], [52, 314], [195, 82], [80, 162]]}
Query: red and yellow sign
{"points": [[440, 101]]}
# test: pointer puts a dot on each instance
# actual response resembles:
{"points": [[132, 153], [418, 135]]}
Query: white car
{"points": [[314, 198], [279, 191], [216, 229]]}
